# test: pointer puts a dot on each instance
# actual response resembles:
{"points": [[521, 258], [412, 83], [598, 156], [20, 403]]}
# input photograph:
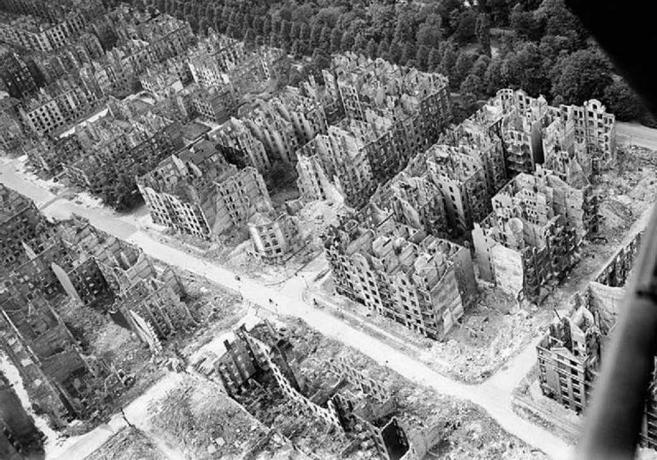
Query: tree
{"points": [[525, 25], [347, 41], [434, 60], [471, 85], [297, 48], [325, 39], [558, 21], [336, 40], [316, 35], [285, 33], [403, 29], [493, 78], [395, 53], [249, 37], [448, 60], [320, 60], [266, 26], [622, 101], [408, 54], [465, 30], [480, 66], [295, 31], [429, 33], [360, 45], [461, 69], [422, 57], [527, 69], [581, 76], [372, 49], [383, 50], [482, 29]]}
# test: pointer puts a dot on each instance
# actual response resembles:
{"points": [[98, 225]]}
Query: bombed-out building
{"points": [[420, 281], [306, 115], [116, 148], [12, 133], [66, 383], [570, 354], [274, 236], [270, 127], [239, 146], [335, 166], [461, 178], [536, 133], [18, 76], [416, 103], [196, 192], [37, 34], [215, 104], [532, 237], [96, 270], [415, 201], [262, 363], [213, 57], [21, 224], [57, 105]]}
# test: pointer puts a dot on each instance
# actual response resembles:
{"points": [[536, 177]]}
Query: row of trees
{"points": [[537, 45]]}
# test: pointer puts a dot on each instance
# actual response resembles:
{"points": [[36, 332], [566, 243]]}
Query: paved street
{"points": [[494, 395]]}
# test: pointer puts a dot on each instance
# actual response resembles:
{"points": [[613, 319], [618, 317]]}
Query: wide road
{"points": [[494, 396], [634, 133]]}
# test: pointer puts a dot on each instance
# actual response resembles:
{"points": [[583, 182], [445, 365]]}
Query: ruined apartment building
{"points": [[196, 192], [477, 137], [21, 224], [306, 115], [239, 146], [417, 103], [12, 133], [276, 133], [218, 60], [213, 57], [65, 383], [86, 49], [57, 105], [533, 131], [20, 439], [116, 148], [461, 179], [532, 237], [570, 354], [214, 105], [415, 201], [96, 270], [360, 408], [50, 11], [274, 236], [18, 75], [335, 166], [422, 282], [117, 72], [144, 45], [166, 78], [36, 34]]}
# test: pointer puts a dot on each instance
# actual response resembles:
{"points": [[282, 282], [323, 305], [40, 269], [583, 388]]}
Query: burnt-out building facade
{"points": [[570, 354], [420, 281], [21, 224]]}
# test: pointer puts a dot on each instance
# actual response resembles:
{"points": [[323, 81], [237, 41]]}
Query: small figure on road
{"points": [[237, 277]]}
